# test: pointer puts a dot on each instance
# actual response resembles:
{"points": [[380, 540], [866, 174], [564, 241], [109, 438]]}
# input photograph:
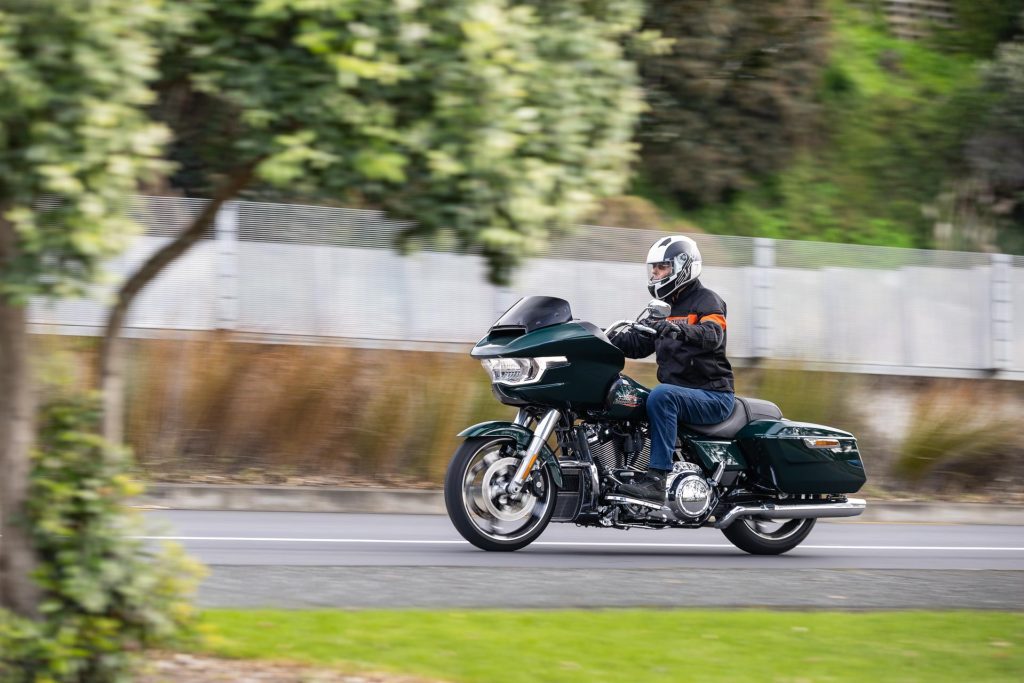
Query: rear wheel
{"points": [[768, 537], [478, 504]]}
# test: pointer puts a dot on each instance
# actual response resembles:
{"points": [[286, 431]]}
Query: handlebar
{"points": [[615, 327]]}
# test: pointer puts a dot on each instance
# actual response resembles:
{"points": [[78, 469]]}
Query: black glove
{"points": [[667, 328]]}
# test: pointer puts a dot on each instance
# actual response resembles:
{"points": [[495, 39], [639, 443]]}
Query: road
{"points": [[348, 560]]}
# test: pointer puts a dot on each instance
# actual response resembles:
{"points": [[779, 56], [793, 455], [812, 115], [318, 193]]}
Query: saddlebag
{"points": [[796, 457]]}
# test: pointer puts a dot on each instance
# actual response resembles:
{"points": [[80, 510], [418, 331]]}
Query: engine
{"points": [[615, 448], [620, 450]]}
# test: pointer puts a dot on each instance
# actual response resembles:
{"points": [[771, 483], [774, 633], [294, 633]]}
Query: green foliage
{"points": [[74, 137], [106, 595], [981, 25], [985, 206], [734, 95], [895, 119], [498, 119]]}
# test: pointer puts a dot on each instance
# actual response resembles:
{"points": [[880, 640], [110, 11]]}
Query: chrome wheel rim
{"points": [[775, 529], [489, 507]]}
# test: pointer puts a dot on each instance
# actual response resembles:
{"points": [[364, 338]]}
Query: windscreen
{"points": [[534, 312]]}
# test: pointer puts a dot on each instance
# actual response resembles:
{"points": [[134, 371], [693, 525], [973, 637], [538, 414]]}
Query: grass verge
{"points": [[491, 646]]}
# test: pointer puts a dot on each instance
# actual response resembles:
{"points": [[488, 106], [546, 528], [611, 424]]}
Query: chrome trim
{"points": [[572, 463], [851, 508], [633, 501], [545, 426], [522, 417], [613, 329], [680, 506], [658, 309]]}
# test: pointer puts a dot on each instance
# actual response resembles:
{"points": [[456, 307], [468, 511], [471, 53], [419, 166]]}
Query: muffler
{"points": [[851, 508]]}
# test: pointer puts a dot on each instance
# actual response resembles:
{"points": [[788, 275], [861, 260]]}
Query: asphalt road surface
{"points": [[265, 559]]}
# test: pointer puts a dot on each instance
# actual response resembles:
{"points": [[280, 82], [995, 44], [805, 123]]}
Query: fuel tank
{"points": [[627, 399]]}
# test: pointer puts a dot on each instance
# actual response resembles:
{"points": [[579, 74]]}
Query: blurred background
{"points": [[255, 240], [853, 173]]}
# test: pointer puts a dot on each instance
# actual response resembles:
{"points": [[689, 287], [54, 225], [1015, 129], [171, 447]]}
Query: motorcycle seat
{"points": [[744, 410]]}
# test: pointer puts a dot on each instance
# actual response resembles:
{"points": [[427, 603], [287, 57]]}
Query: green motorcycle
{"points": [[581, 431]]}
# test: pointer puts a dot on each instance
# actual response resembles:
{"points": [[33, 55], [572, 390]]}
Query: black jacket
{"points": [[697, 358]]}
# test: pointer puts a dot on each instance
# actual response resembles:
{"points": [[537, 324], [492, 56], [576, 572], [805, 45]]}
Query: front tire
{"points": [[474, 494], [761, 537]]}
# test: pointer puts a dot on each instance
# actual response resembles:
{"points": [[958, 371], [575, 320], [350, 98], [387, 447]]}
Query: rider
{"points": [[696, 378]]}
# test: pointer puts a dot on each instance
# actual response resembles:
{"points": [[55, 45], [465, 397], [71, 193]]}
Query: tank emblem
{"points": [[627, 397]]}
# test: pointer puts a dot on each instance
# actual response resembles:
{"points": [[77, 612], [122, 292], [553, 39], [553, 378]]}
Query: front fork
{"points": [[541, 433]]}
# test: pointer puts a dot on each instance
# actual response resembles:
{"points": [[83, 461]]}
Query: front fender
{"points": [[522, 437]]}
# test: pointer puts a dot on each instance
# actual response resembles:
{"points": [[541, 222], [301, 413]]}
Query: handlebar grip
{"points": [[645, 330]]}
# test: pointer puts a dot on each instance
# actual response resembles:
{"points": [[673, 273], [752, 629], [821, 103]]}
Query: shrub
{"points": [[107, 595], [956, 432]]}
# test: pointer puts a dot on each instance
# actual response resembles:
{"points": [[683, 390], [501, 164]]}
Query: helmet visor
{"points": [[661, 270]]}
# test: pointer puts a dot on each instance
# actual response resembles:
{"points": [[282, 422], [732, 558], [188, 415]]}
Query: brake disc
{"points": [[497, 500]]}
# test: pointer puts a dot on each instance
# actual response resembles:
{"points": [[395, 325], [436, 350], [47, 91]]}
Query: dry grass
{"points": [[218, 409], [819, 397], [238, 409], [191, 668], [961, 436]]}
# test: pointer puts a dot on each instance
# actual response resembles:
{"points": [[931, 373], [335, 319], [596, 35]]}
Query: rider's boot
{"points": [[649, 486]]}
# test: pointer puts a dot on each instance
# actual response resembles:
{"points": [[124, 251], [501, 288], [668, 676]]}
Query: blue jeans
{"points": [[668, 405]]}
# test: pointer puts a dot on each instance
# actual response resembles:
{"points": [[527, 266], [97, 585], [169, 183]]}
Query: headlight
{"points": [[518, 371]]}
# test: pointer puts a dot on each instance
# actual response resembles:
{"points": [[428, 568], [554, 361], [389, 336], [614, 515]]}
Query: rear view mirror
{"points": [[658, 309]]}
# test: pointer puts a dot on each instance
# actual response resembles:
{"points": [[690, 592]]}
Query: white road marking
{"points": [[568, 544]]}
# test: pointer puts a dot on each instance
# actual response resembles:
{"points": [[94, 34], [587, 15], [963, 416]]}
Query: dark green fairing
{"points": [[783, 460], [594, 363], [627, 400], [522, 436]]}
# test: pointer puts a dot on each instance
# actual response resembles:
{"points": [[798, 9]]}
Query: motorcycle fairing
{"points": [[582, 383]]}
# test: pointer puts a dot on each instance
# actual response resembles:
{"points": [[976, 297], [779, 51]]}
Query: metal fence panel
{"points": [[1017, 315], [312, 272]]}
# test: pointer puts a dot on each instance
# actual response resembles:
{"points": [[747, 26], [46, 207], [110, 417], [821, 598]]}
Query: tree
{"points": [[74, 141], [733, 97], [499, 119], [980, 26], [984, 207]]}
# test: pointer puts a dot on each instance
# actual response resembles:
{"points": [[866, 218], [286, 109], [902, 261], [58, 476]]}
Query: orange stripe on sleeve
{"points": [[715, 318]]}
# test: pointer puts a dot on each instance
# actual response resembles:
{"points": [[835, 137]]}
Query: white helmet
{"points": [[682, 255]]}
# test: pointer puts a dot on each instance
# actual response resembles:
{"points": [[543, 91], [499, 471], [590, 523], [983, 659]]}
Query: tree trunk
{"points": [[18, 592], [112, 361]]}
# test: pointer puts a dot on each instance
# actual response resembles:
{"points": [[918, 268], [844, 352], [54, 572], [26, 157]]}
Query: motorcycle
{"points": [[761, 479]]}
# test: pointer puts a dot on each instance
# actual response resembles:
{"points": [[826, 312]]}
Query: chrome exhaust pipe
{"points": [[851, 508]]}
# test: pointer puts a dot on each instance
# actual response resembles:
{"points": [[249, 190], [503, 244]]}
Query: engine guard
{"points": [[522, 437]]}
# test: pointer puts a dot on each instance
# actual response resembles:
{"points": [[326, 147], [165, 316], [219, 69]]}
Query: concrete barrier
{"points": [[415, 501]]}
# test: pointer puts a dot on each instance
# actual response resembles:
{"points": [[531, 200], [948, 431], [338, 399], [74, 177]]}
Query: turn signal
{"points": [[822, 443]]}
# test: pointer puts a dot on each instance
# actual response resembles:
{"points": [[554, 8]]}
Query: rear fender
{"points": [[521, 435]]}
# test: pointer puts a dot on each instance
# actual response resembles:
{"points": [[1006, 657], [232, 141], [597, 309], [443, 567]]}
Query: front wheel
{"points": [[763, 537], [479, 506]]}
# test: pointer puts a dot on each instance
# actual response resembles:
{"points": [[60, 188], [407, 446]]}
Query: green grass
{"points": [[637, 645]]}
